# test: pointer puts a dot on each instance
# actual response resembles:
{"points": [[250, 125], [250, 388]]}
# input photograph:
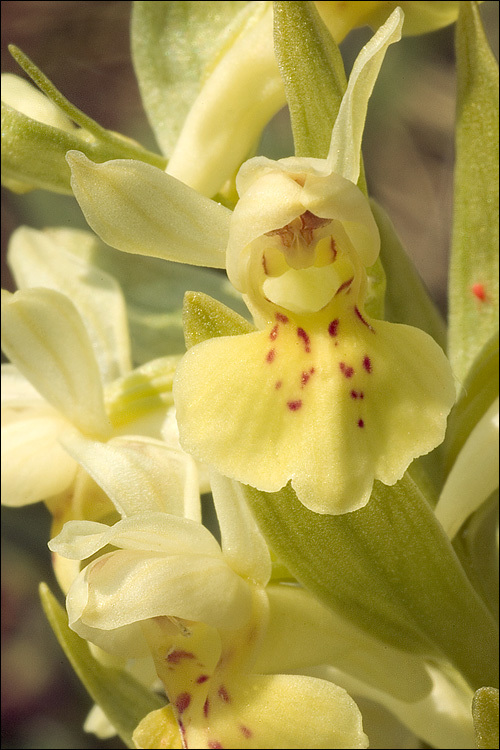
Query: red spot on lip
{"points": [[278, 384], [246, 732], [223, 694], [333, 327], [294, 405], [264, 264], [361, 423], [270, 355], [274, 332], [215, 744], [202, 678], [206, 708], [182, 702], [479, 291], [174, 657], [346, 370], [281, 318], [305, 377], [305, 338], [367, 364]]}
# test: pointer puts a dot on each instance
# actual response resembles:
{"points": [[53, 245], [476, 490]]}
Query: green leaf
{"points": [[313, 73], [473, 285], [477, 546], [173, 43], [33, 154], [205, 318], [485, 715], [124, 700], [388, 568], [406, 298], [479, 391]]}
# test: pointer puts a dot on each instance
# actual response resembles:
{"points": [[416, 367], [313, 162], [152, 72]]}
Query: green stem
{"points": [[128, 149]]}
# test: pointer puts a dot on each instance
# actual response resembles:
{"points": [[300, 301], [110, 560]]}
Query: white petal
{"points": [[140, 474], [128, 586], [242, 543], [34, 465], [474, 475], [157, 533], [18, 93], [344, 156], [45, 259], [44, 336], [139, 209], [302, 632]]}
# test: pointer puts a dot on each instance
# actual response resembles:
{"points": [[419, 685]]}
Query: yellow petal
{"points": [[331, 405], [280, 711], [159, 730]]}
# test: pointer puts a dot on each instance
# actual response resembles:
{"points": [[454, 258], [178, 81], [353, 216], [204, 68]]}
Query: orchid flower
{"points": [[220, 629], [337, 399], [71, 369], [70, 366], [202, 610]]}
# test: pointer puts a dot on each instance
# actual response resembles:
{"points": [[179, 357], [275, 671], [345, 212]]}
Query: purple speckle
{"points": [[361, 423], [182, 702], [333, 327], [294, 405], [367, 364], [202, 678], [305, 338], [174, 657], [270, 355], [346, 370], [274, 332], [223, 694], [281, 318]]}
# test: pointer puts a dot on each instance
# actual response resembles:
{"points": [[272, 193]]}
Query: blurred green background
{"points": [[83, 47]]}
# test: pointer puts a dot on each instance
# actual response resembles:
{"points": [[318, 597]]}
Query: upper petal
{"points": [[44, 258], [44, 336], [139, 474], [344, 156], [139, 209]]}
